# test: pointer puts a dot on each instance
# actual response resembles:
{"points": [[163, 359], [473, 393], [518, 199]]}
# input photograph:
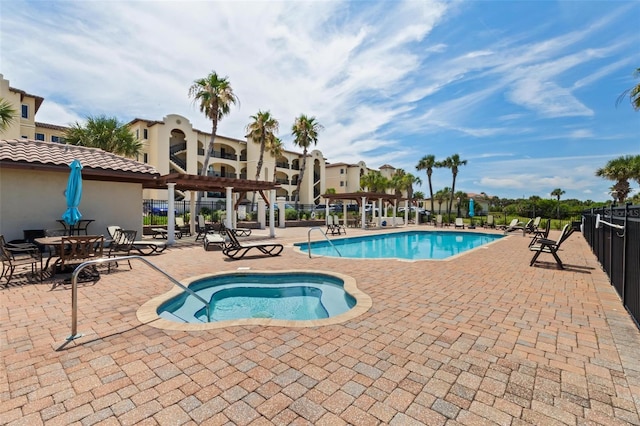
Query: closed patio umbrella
{"points": [[472, 212], [74, 194]]}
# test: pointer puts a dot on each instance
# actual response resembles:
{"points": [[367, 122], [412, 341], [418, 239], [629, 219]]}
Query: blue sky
{"points": [[524, 91]]}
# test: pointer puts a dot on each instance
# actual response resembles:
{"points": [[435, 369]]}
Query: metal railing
{"points": [[616, 244], [74, 288], [325, 237]]}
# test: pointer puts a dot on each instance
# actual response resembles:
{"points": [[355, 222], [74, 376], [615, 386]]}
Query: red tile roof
{"points": [[97, 164]]}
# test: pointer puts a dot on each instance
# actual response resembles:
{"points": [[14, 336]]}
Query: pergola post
{"points": [[229, 209], [363, 217], [272, 214]]}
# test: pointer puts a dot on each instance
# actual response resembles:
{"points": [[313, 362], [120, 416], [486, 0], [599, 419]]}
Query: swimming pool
{"points": [[284, 298], [408, 245]]}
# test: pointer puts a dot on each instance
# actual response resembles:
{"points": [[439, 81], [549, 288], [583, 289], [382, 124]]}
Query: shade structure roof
{"points": [[357, 196], [186, 182]]}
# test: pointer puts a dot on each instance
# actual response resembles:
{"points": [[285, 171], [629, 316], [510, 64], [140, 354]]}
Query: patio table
{"points": [[81, 226]]}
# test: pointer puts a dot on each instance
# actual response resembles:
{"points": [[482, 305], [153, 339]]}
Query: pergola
{"points": [[186, 182], [361, 199]]}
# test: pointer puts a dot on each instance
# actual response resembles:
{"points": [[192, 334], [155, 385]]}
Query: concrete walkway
{"points": [[481, 339]]}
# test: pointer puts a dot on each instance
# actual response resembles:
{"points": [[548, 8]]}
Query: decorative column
{"points": [[228, 222], [281, 212], [363, 217], [171, 214], [272, 214]]}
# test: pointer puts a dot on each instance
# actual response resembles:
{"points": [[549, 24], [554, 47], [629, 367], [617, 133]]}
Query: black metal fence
{"points": [[616, 244]]}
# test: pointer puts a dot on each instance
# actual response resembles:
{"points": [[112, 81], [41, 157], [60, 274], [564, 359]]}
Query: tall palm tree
{"points": [[374, 181], [633, 93], [305, 132], [403, 181], [441, 196], [7, 114], [453, 163], [275, 148], [557, 193], [620, 170], [215, 97], [106, 133], [427, 163], [262, 130]]}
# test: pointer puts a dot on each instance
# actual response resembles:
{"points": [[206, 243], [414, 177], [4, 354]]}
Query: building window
{"points": [[40, 136], [137, 134], [25, 111], [145, 134], [341, 171], [55, 138], [145, 158], [341, 183]]}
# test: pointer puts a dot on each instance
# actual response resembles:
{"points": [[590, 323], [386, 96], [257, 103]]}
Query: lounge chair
{"points": [[536, 224], [121, 245], [459, 223], [144, 247], [512, 226], [185, 229], [202, 228], [438, 221], [544, 245], [490, 222], [19, 255], [330, 226], [238, 232], [235, 250], [214, 239]]}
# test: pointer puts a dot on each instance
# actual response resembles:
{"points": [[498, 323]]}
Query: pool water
{"points": [[285, 296], [410, 245]]}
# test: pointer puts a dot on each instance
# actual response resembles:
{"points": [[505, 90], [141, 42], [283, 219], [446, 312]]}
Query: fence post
{"points": [[624, 254]]}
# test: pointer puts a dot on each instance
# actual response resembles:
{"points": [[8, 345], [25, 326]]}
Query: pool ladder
{"points": [[324, 234], [74, 288]]}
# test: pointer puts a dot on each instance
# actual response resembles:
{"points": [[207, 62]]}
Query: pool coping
{"points": [[296, 248], [147, 313]]}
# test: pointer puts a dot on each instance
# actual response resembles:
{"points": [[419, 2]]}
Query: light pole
{"points": [[458, 200]]}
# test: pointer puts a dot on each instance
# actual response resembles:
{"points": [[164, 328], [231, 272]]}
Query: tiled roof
{"points": [[32, 154], [50, 126]]}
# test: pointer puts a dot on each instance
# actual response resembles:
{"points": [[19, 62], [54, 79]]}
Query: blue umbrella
{"points": [[472, 211], [74, 194]]}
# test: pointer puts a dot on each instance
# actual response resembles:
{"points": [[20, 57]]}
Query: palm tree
{"points": [[621, 169], [262, 130], [106, 133], [215, 96], [403, 181], [7, 114], [441, 196], [374, 182], [557, 193], [428, 162], [305, 132], [453, 163], [275, 148], [633, 93]]}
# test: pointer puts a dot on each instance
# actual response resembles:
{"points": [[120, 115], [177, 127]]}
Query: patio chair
{"points": [[544, 245], [535, 225], [144, 247], [540, 233], [213, 239], [235, 250], [80, 249], [185, 229], [459, 223], [121, 245], [336, 224], [512, 225], [19, 255]]}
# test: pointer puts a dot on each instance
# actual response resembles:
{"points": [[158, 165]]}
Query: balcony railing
{"points": [[243, 158], [220, 174], [282, 181], [225, 155], [282, 165]]}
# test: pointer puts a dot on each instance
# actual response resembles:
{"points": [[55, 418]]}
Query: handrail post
{"points": [[79, 268], [325, 237]]}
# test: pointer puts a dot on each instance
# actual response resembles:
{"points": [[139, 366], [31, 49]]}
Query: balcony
{"points": [[243, 158], [282, 181], [282, 165], [225, 155], [216, 173]]}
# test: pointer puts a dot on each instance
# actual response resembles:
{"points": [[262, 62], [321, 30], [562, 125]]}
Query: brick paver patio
{"points": [[481, 339]]}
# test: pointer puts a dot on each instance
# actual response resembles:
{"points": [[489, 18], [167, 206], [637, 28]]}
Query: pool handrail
{"points": [[79, 268], [325, 237]]}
